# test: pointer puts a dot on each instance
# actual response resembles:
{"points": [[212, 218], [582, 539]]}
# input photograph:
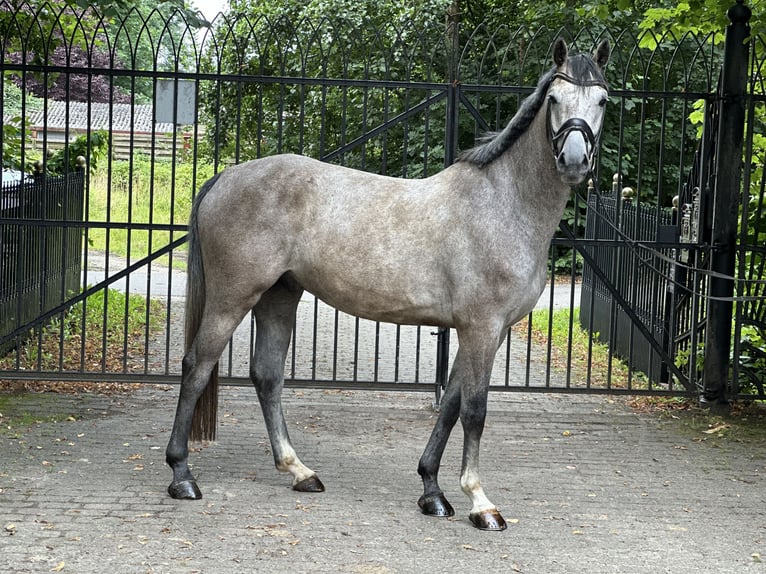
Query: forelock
{"points": [[583, 67]]}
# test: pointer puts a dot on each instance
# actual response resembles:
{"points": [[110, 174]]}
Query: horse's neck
{"points": [[528, 171]]}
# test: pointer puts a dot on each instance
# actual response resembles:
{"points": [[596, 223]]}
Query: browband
{"points": [[585, 83]]}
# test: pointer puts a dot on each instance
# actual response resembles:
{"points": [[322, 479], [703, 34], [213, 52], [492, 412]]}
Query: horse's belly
{"points": [[382, 299]]}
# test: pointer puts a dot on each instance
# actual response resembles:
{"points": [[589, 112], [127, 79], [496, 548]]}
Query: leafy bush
{"points": [[100, 326], [16, 134], [93, 148]]}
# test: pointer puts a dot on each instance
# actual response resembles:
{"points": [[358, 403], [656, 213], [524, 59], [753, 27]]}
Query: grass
{"points": [[575, 349], [106, 333], [572, 345], [146, 193], [18, 412]]}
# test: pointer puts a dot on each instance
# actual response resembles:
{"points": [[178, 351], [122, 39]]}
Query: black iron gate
{"points": [[264, 87], [674, 273], [642, 277]]}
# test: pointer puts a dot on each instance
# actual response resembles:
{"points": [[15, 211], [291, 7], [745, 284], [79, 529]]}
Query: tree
{"points": [[98, 35], [392, 42]]}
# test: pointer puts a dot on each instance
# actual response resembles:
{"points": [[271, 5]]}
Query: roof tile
{"points": [[103, 116]]}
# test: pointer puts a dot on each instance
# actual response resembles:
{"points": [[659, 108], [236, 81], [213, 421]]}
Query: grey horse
{"points": [[466, 249]]}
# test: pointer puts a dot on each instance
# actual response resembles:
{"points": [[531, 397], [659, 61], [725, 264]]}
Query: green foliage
{"points": [[139, 192], [709, 18], [581, 353], [140, 35], [695, 17], [108, 316], [753, 359], [752, 238], [147, 35], [16, 134], [16, 128], [15, 102], [93, 148], [391, 42]]}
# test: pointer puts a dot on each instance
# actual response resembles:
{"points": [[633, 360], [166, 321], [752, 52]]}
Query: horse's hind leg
{"points": [[275, 317], [198, 363]]}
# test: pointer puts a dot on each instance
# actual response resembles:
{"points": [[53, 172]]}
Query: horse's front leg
{"points": [[465, 398], [484, 515], [433, 502]]}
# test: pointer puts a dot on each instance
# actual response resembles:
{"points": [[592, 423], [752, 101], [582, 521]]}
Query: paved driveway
{"points": [[586, 484]]}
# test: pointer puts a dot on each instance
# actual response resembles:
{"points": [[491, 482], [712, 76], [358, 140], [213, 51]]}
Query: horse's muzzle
{"points": [[574, 156]]}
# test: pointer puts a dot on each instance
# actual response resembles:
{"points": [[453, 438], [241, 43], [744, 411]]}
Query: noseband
{"points": [[559, 136]]}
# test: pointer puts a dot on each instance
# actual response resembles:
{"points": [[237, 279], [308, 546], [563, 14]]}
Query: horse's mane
{"points": [[493, 144]]}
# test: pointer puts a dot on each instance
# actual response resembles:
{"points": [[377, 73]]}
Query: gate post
{"points": [[726, 203]]}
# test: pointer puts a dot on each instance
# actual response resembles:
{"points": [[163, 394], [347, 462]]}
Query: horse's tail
{"points": [[206, 410]]}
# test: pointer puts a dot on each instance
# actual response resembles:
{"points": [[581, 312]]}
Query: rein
{"points": [[559, 136]]}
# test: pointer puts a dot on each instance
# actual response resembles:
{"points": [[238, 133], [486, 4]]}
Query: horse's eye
{"points": [[553, 99], [603, 101]]}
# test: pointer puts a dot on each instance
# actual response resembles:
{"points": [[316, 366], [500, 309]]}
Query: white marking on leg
{"points": [[290, 462], [471, 485]]}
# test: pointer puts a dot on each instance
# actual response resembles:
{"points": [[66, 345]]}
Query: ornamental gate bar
{"points": [[400, 100]]}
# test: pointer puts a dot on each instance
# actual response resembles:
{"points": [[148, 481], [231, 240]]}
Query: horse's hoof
{"points": [[310, 484], [184, 490], [435, 505], [488, 520]]}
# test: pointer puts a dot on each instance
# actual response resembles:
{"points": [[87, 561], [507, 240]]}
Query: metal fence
{"points": [[644, 279], [749, 329], [402, 101], [40, 249]]}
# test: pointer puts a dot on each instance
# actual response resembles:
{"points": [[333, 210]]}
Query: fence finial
{"points": [[739, 13]]}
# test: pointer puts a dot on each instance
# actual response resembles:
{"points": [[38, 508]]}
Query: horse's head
{"points": [[576, 101]]}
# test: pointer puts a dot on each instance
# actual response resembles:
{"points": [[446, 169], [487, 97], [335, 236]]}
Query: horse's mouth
{"points": [[573, 178]]}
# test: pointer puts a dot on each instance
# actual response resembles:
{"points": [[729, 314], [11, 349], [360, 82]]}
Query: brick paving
{"points": [[586, 484]]}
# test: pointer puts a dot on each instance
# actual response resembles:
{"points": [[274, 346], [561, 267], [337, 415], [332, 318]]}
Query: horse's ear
{"points": [[560, 52], [601, 55]]}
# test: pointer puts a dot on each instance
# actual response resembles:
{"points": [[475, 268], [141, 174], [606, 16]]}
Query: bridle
{"points": [[559, 136]]}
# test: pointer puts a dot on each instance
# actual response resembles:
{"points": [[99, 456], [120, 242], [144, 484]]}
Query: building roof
{"points": [[103, 116]]}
